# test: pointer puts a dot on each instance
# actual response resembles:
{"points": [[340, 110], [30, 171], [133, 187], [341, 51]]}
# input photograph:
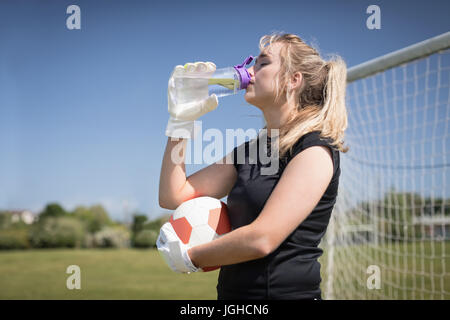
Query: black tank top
{"points": [[292, 271]]}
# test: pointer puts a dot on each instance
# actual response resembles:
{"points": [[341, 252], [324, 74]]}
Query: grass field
{"points": [[408, 272], [105, 274]]}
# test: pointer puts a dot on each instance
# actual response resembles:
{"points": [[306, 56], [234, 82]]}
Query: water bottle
{"points": [[222, 82]]}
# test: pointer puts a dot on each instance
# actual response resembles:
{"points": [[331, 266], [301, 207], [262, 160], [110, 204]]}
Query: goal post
{"points": [[389, 233]]}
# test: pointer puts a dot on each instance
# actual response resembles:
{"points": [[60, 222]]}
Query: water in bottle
{"points": [[222, 82]]}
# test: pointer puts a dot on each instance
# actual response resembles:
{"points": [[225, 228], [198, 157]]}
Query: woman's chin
{"points": [[253, 103], [249, 97]]}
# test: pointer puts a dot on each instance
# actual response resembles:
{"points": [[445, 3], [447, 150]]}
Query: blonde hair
{"points": [[320, 100]]}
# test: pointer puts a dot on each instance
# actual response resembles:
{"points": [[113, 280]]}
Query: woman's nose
{"points": [[251, 72]]}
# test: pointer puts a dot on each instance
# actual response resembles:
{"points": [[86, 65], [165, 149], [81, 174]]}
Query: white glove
{"points": [[193, 99], [174, 251]]}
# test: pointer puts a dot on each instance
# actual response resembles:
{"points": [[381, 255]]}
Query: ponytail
{"points": [[334, 111]]}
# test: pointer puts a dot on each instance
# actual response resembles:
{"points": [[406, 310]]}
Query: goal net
{"points": [[389, 234]]}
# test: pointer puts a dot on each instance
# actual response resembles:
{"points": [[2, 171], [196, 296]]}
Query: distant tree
{"points": [[94, 217], [138, 225], [157, 223], [436, 206], [52, 210], [5, 219]]}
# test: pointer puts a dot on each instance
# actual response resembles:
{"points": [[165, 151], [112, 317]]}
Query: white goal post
{"points": [[389, 234]]}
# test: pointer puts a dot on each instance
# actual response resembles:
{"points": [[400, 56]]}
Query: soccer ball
{"points": [[200, 220]]}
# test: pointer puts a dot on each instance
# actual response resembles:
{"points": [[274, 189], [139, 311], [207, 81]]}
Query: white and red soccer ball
{"points": [[200, 220]]}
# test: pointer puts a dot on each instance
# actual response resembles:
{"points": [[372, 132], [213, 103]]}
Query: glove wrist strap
{"points": [[180, 128], [188, 262]]}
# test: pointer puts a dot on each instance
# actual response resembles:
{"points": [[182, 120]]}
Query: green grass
{"points": [[105, 274], [408, 271]]}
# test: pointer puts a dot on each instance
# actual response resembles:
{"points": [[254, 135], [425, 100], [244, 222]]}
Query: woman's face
{"points": [[261, 90]]}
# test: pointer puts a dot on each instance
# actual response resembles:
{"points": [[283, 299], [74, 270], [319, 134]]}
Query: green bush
{"points": [[157, 223], [88, 241], [146, 239], [94, 217], [5, 220], [112, 237], [14, 239], [57, 233]]}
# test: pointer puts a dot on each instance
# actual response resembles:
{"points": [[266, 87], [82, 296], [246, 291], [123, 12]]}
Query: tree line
{"points": [[83, 227]]}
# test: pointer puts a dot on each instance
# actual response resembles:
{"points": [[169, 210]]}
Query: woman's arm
{"points": [[173, 173], [301, 186], [215, 180]]}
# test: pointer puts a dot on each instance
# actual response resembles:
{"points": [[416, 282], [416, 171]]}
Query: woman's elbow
{"points": [[166, 204], [263, 246], [266, 248], [261, 240]]}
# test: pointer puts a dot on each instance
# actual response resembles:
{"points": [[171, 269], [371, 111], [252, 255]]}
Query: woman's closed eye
{"points": [[261, 64]]}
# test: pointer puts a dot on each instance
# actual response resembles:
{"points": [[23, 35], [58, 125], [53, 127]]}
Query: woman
{"points": [[278, 220]]}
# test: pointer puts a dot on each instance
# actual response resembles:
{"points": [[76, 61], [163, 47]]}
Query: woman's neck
{"points": [[276, 117]]}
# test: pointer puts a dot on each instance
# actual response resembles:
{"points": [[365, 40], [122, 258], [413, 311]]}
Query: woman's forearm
{"points": [[240, 245], [173, 173]]}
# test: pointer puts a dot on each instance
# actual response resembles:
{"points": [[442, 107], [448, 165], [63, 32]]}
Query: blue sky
{"points": [[83, 112]]}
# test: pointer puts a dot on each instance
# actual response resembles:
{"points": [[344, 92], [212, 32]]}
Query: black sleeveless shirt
{"points": [[292, 271]]}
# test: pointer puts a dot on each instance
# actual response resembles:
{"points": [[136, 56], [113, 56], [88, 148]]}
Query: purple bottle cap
{"points": [[243, 73]]}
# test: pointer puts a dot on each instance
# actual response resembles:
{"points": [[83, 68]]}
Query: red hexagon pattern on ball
{"points": [[207, 269], [182, 228], [218, 219]]}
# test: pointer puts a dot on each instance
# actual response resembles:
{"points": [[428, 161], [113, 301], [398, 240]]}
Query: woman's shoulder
{"points": [[313, 138]]}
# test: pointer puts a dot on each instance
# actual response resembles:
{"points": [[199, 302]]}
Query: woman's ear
{"points": [[296, 81]]}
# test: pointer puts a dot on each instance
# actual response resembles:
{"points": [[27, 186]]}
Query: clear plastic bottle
{"points": [[222, 82]]}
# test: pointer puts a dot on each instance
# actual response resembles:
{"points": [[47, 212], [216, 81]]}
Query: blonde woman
{"points": [[277, 220]]}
